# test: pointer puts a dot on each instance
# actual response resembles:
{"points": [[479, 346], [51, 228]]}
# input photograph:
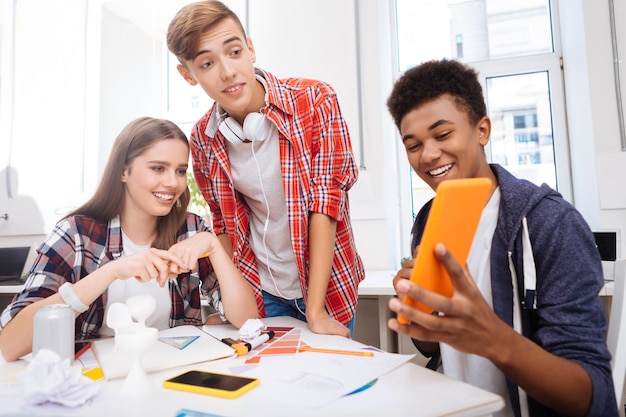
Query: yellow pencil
{"points": [[204, 255], [336, 351]]}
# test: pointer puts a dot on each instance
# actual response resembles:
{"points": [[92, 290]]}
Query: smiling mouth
{"points": [[233, 88], [440, 171], [166, 197]]}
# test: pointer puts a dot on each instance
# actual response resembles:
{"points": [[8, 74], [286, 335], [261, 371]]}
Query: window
{"points": [[521, 137], [515, 48], [43, 94], [73, 73]]}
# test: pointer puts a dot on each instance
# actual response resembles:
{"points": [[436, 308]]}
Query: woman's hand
{"points": [[146, 265], [191, 249]]}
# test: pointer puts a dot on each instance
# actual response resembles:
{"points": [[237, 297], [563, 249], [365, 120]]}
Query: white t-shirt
{"points": [[257, 176], [121, 290], [474, 369]]}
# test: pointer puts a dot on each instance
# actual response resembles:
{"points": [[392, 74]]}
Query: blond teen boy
{"points": [[273, 159]]}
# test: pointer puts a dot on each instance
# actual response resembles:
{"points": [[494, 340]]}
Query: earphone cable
{"points": [[265, 226]]}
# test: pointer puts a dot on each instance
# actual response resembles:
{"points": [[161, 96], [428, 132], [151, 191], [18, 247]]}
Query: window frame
{"points": [[551, 62]]}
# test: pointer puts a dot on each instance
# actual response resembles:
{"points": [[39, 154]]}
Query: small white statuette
{"points": [[134, 339]]}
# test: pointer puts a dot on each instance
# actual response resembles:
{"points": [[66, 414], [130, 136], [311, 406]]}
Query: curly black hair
{"points": [[433, 79]]}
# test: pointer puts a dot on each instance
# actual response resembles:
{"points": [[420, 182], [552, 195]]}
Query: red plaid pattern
{"points": [[318, 169]]}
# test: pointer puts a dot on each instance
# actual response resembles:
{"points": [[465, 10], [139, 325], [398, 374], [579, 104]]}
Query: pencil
{"points": [[336, 351]]}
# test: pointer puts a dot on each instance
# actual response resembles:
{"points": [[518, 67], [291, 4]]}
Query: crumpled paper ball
{"points": [[48, 379], [251, 329]]}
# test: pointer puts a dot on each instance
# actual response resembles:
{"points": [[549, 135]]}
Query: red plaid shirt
{"points": [[318, 169]]}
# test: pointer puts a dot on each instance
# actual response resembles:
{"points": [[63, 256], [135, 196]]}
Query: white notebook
{"points": [[163, 355]]}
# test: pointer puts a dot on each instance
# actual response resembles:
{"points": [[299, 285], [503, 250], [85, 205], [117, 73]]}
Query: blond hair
{"points": [[191, 22]]}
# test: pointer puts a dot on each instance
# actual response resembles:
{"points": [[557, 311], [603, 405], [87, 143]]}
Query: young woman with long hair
{"points": [[134, 236]]}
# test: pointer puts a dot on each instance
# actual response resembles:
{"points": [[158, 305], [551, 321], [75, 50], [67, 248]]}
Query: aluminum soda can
{"points": [[53, 329]]}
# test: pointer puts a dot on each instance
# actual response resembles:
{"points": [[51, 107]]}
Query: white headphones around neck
{"points": [[256, 127]]}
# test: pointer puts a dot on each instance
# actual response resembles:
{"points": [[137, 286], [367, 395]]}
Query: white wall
{"points": [[321, 44], [131, 78], [598, 162], [43, 116]]}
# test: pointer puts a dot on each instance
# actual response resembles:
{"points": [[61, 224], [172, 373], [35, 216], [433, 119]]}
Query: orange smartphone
{"points": [[453, 220]]}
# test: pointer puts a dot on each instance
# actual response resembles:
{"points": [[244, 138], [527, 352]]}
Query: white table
{"points": [[607, 289], [408, 390], [379, 284], [12, 287]]}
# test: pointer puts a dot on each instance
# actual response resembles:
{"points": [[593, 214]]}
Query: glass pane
{"points": [[521, 132], [471, 30], [185, 104]]}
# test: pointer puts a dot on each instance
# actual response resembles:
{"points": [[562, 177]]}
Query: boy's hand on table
{"points": [[322, 323]]}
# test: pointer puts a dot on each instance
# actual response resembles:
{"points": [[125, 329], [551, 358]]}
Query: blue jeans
{"points": [[277, 306]]}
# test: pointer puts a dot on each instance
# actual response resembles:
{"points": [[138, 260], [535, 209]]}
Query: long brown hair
{"points": [[108, 200]]}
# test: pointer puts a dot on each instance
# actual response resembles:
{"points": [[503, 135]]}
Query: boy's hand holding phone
{"points": [[453, 220]]}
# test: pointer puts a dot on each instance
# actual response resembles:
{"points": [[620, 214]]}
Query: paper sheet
{"points": [[312, 380], [161, 355]]}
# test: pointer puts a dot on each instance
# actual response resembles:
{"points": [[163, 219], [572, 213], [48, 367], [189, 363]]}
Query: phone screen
{"points": [[211, 380], [210, 383]]}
